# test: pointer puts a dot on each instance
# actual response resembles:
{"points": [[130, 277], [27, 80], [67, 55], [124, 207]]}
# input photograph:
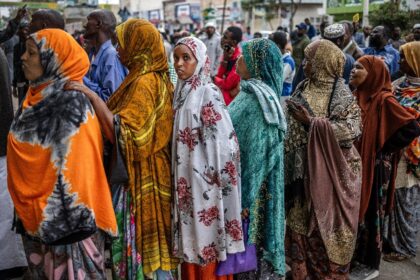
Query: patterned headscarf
{"points": [[412, 55], [327, 61], [264, 61], [61, 57], [143, 45], [327, 66], [201, 74], [407, 91]]}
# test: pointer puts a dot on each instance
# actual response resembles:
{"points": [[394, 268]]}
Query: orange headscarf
{"points": [[56, 176], [62, 59], [382, 116]]}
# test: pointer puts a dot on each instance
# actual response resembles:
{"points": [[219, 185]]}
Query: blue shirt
{"points": [[311, 31], [391, 56], [348, 66], [106, 72], [288, 74]]}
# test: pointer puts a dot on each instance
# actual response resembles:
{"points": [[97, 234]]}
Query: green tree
{"points": [[394, 13]]}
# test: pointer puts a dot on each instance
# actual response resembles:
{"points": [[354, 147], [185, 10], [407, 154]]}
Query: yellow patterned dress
{"points": [[144, 105]]}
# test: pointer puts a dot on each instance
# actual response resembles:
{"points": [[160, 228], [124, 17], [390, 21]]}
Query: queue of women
{"points": [[209, 191]]}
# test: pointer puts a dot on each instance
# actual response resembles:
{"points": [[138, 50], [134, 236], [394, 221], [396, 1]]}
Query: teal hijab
{"points": [[264, 62], [260, 127]]}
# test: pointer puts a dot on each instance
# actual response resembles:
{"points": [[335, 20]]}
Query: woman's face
{"points": [[358, 74], [184, 62], [404, 66], [241, 69], [31, 61], [122, 54]]}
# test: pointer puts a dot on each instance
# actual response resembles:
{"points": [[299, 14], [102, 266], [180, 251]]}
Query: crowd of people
{"points": [[209, 157]]}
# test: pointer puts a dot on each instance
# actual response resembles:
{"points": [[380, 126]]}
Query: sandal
{"points": [[394, 257]]}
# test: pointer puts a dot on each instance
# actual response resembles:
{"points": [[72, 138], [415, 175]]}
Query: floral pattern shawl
{"points": [[57, 180], [206, 169], [260, 125]]}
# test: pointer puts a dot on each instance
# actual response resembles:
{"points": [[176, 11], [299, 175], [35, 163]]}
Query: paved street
{"points": [[408, 270]]}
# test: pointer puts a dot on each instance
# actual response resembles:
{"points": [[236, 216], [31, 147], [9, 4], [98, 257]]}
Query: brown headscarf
{"points": [[382, 116]]}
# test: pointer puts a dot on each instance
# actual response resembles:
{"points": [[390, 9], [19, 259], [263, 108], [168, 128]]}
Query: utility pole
{"points": [[365, 21], [223, 17]]}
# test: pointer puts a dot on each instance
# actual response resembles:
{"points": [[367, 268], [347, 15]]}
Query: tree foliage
{"points": [[392, 14]]}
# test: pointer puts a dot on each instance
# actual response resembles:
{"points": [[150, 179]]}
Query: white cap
{"points": [[210, 24], [417, 25]]}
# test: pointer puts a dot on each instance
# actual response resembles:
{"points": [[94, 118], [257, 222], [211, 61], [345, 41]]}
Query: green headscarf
{"points": [[260, 127], [264, 62]]}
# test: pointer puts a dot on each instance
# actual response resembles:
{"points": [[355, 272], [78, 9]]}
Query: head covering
{"points": [[407, 91], [264, 62], [210, 24], [382, 116], [202, 127], [201, 75], [327, 61], [334, 31], [411, 52], [417, 25], [58, 194], [62, 58], [327, 66], [302, 25], [143, 46], [258, 106], [144, 104]]}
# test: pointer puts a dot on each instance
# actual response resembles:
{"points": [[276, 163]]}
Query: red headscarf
{"points": [[382, 116]]}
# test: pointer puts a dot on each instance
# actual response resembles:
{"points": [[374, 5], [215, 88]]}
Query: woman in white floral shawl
{"points": [[205, 164]]}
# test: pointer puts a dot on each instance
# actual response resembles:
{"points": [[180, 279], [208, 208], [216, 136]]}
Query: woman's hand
{"points": [[228, 53], [234, 92], [298, 112], [105, 116], [72, 85]]}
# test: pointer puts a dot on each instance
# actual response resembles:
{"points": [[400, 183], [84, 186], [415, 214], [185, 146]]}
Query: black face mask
{"points": [[417, 36], [300, 35]]}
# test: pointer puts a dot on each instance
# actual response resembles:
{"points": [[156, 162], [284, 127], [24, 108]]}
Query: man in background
{"points": [[336, 33], [349, 44], [396, 41], [46, 18], [362, 38], [379, 47], [416, 32], [311, 31], [106, 72], [214, 50], [280, 39], [20, 83], [227, 79], [12, 26], [300, 43]]}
